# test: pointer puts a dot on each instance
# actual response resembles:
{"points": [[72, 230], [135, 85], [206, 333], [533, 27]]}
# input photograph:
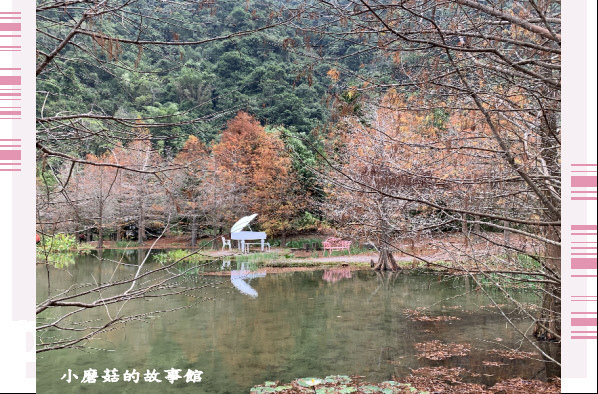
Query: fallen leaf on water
{"points": [[436, 350], [492, 363], [415, 315], [513, 354]]}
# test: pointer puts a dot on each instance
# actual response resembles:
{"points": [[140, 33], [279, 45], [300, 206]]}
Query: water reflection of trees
{"points": [[101, 293], [300, 321], [301, 326]]}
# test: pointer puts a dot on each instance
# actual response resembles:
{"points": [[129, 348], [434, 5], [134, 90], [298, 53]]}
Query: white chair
{"points": [[225, 243]]}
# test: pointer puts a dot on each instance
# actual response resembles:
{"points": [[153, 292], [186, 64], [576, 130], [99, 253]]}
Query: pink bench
{"points": [[335, 244]]}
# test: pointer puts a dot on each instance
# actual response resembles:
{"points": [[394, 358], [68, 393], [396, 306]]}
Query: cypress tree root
{"points": [[386, 262]]}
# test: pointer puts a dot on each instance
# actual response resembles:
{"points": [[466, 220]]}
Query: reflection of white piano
{"points": [[238, 278], [243, 236]]}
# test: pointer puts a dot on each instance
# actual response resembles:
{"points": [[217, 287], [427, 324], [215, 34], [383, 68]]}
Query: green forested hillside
{"points": [[256, 73]]}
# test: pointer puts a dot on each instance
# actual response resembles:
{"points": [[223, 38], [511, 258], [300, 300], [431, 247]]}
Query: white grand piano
{"points": [[242, 237]]}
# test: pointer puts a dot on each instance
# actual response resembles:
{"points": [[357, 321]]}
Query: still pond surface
{"points": [[281, 326]]}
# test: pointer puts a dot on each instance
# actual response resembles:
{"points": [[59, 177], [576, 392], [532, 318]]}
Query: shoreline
{"points": [[279, 264]]}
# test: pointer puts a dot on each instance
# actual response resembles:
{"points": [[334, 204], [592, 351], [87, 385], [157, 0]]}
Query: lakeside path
{"points": [[447, 252]]}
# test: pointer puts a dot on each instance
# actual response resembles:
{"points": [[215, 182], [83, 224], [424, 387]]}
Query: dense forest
{"points": [[196, 90], [258, 73]]}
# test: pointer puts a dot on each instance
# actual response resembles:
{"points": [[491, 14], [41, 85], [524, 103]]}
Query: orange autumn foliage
{"points": [[255, 164]]}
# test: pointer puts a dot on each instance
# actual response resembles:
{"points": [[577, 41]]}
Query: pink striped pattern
{"points": [[13, 27], [10, 91], [583, 184], [582, 247], [10, 157], [584, 321], [583, 264], [10, 80], [585, 327]]}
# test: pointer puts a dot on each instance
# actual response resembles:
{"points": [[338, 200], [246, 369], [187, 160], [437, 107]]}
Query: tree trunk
{"points": [[549, 323], [386, 261], [477, 228], [100, 256], [194, 231], [507, 241], [141, 225], [100, 235], [548, 326], [118, 233], [283, 241], [464, 229], [215, 243], [101, 228]]}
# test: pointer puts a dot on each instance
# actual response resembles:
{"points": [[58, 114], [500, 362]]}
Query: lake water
{"points": [[281, 327]]}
